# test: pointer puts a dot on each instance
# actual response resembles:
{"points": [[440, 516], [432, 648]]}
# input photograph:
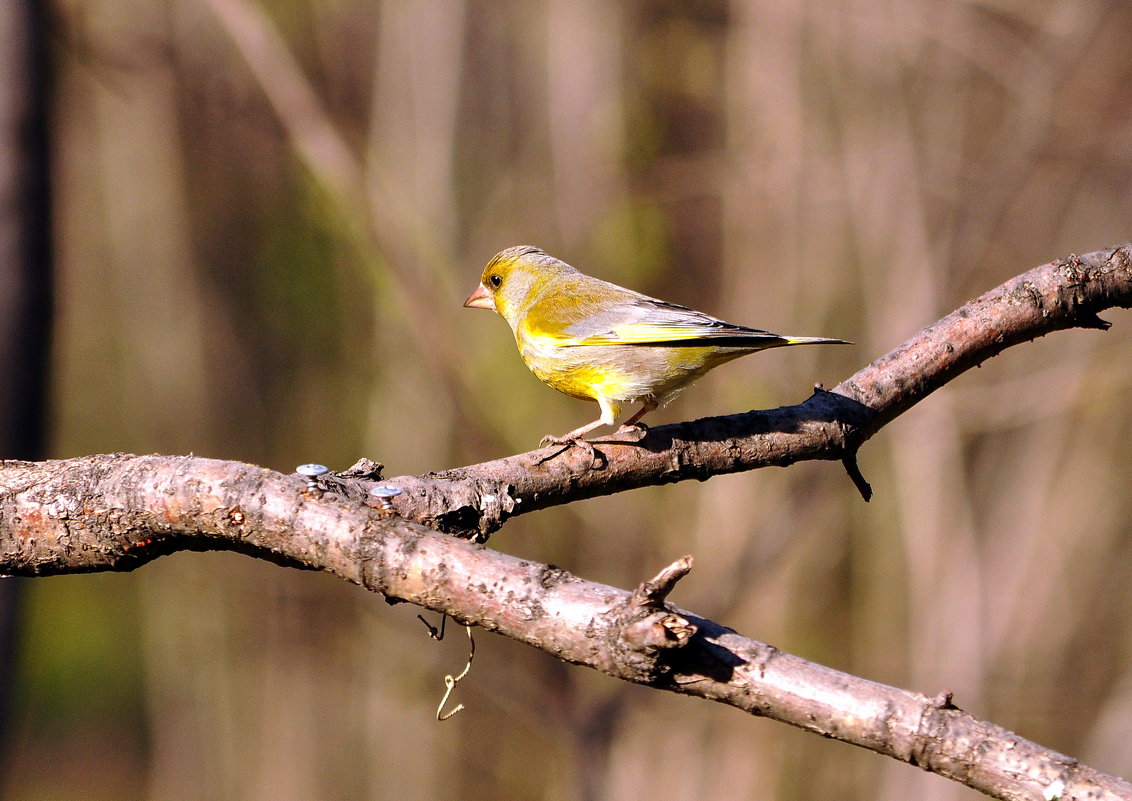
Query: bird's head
{"points": [[513, 280]]}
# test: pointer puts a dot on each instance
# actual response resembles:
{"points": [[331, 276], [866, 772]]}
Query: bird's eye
{"points": [[495, 280]]}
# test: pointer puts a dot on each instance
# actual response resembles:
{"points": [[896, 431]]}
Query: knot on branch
{"points": [[645, 630], [466, 507], [1072, 294], [940, 730]]}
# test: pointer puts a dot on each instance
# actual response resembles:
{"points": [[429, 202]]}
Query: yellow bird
{"points": [[594, 340]]}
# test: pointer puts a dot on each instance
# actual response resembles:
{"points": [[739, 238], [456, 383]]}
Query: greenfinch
{"points": [[596, 341]]}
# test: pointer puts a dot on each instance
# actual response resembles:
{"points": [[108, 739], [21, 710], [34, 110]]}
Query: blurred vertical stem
{"points": [[25, 279], [374, 208]]}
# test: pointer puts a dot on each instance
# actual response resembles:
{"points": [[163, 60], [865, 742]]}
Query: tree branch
{"points": [[117, 512], [476, 500]]}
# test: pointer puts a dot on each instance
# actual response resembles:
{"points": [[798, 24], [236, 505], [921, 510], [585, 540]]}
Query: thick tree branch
{"points": [[476, 500], [117, 512]]}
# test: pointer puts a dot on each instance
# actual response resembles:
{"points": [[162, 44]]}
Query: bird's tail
{"points": [[814, 341]]}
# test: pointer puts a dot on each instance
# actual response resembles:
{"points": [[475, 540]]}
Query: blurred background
{"points": [[266, 217]]}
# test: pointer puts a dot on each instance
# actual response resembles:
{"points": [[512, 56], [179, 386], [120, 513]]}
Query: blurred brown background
{"points": [[268, 214]]}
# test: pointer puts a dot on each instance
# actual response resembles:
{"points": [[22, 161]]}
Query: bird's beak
{"points": [[480, 299]]}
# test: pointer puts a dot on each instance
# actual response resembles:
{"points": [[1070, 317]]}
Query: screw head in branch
{"points": [[385, 493], [312, 472]]}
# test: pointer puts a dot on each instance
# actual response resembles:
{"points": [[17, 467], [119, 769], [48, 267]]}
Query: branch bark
{"points": [[117, 512]]}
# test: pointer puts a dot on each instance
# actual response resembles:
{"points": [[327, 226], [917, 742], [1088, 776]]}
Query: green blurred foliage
{"points": [[85, 655]]}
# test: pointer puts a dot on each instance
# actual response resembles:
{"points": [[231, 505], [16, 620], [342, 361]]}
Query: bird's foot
{"points": [[634, 432], [567, 442], [550, 439]]}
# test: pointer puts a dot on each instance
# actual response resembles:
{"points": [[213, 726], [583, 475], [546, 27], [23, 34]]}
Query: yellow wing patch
{"points": [[644, 334]]}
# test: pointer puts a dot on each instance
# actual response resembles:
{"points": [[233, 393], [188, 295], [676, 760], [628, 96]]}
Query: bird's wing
{"points": [[646, 321]]}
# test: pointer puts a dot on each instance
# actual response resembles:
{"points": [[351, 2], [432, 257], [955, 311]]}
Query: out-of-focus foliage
{"points": [[268, 216]]}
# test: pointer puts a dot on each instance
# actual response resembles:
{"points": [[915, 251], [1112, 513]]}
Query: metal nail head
{"points": [[385, 493], [312, 472]]}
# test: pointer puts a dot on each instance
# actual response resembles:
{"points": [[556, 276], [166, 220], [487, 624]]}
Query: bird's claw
{"points": [[634, 432], [549, 440], [566, 444]]}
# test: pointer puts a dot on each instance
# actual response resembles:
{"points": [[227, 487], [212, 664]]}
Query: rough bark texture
{"points": [[116, 512]]}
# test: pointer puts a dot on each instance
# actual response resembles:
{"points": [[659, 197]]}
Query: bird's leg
{"points": [[647, 407], [573, 436], [632, 425], [609, 411]]}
